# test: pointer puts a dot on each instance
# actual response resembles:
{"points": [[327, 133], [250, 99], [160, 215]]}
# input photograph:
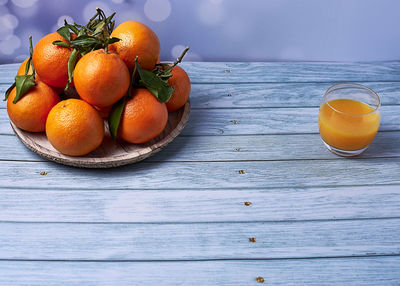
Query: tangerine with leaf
{"points": [[31, 110], [143, 118], [180, 81], [51, 61]]}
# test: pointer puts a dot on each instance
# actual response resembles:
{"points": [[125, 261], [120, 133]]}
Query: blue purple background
{"points": [[226, 30]]}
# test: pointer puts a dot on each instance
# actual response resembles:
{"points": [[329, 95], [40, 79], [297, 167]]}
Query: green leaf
{"points": [[85, 40], [112, 25], [23, 83], [109, 18], [64, 32], [62, 44], [28, 64], [158, 87], [114, 118], [113, 40], [71, 27], [73, 58], [99, 28], [7, 94], [133, 77]]}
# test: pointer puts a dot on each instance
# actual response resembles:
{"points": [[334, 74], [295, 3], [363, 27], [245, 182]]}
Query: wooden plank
{"points": [[196, 241], [370, 271], [268, 94], [234, 148], [203, 175], [156, 206], [254, 121], [234, 72]]}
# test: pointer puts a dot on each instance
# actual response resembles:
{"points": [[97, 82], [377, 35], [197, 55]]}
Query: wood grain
{"points": [[239, 72], [214, 205], [370, 271], [235, 148], [317, 219], [255, 121], [110, 153], [196, 241], [204, 175], [231, 95]]}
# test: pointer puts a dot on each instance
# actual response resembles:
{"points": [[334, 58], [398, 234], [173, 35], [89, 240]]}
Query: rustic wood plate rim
{"points": [[105, 162]]}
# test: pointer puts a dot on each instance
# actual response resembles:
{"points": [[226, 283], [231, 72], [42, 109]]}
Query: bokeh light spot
{"points": [[210, 13], [157, 10], [60, 21], [24, 3], [9, 21], [10, 44]]}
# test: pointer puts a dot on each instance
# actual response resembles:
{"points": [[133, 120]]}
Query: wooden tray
{"points": [[109, 154]]}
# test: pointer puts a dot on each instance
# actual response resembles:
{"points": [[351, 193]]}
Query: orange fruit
{"points": [[101, 78], [137, 39], [143, 118], [21, 69], [30, 112], [104, 111], [74, 127], [180, 81], [51, 61]]}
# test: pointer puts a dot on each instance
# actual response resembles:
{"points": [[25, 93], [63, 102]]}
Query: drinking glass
{"points": [[349, 118]]}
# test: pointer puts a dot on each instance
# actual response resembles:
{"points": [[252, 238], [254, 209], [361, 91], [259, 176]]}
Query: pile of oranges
{"points": [[117, 76]]}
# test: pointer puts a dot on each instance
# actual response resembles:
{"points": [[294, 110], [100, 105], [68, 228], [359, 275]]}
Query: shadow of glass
{"points": [[385, 144]]}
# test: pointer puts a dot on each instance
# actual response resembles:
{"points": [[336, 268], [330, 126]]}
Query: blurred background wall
{"points": [[226, 30]]}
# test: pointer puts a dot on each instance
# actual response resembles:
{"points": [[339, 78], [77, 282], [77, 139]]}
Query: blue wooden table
{"points": [[247, 191]]}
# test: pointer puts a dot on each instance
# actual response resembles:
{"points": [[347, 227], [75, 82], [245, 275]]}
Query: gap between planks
{"points": [[201, 260], [202, 222]]}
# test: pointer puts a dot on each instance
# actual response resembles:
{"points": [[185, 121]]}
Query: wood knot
{"points": [[43, 173], [227, 70], [247, 204], [259, 279], [252, 239], [242, 172]]}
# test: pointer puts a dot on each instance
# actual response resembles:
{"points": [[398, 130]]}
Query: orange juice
{"points": [[348, 124]]}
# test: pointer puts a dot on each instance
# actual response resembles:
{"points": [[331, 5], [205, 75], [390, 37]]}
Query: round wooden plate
{"points": [[110, 153]]}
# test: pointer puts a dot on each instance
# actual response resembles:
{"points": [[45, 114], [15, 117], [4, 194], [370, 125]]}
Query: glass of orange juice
{"points": [[349, 118]]}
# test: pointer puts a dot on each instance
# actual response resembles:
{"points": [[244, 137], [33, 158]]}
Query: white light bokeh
{"points": [[157, 10], [9, 44], [24, 3], [60, 21], [26, 12], [8, 21], [210, 13], [90, 9], [177, 50]]}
